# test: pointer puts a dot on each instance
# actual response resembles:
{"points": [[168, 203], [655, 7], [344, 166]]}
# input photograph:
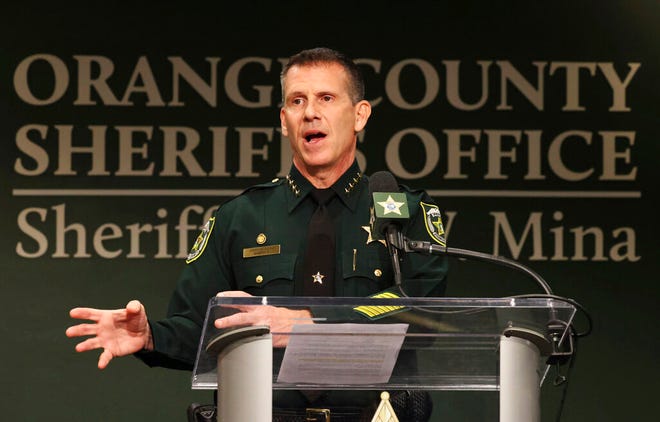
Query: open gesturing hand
{"points": [[118, 332]]}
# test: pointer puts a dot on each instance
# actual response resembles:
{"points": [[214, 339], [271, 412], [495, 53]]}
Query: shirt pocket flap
{"points": [[366, 263], [259, 272]]}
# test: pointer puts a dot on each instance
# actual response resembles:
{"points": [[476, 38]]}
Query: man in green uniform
{"points": [[256, 243]]}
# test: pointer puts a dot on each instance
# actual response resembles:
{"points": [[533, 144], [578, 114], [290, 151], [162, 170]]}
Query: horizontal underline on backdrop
{"points": [[538, 193], [234, 192]]}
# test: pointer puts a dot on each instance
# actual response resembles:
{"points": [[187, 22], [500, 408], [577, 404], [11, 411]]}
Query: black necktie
{"points": [[319, 261]]}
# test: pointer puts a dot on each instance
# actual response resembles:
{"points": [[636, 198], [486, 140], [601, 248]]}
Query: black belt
{"points": [[318, 414]]}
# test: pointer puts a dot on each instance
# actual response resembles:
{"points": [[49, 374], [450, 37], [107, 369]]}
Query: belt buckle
{"points": [[317, 415]]}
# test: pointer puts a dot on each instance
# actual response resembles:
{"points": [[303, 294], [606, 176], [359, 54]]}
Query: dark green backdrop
{"points": [[591, 230]]}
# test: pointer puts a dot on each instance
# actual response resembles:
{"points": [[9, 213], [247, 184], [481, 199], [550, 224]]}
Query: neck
{"points": [[322, 177]]}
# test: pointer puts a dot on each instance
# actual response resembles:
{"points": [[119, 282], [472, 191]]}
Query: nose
{"points": [[311, 111]]}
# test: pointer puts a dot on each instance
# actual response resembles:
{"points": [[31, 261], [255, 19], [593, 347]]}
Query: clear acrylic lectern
{"points": [[486, 344]]}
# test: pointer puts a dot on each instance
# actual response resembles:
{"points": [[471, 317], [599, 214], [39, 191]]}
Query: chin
{"points": [[316, 160]]}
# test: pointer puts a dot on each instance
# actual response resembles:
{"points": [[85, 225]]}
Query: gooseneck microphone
{"points": [[389, 215], [389, 212]]}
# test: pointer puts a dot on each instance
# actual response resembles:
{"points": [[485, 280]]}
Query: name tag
{"points": [[261, 251]]}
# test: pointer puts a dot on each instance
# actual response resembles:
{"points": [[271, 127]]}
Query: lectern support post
{"points": [[520, 382], [245, 365]]}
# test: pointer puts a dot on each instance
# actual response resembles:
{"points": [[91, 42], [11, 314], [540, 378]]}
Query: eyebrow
{"points": [[316, 94], [324, 93], [295, 94]]}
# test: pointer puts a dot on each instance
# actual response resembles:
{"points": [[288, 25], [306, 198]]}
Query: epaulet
{"points": [[273, 183], [431, 214], [411, 190]]}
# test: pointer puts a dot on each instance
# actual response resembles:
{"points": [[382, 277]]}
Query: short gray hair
{"points": [[322, 55]]}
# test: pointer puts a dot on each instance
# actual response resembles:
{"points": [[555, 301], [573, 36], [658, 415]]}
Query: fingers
{"points": [[91, 344], [280, 340], [87, 345], [134, 306], [241, 318], [242, 308], [104, 359], [233, 293], [236, 293], [81, 330], [85, 313]]}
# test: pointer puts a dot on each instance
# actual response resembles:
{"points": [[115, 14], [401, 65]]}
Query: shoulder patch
{"points": [[433, 223], [201, 241]]}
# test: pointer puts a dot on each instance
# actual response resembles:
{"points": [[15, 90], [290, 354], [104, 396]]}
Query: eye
{"points": [[296, 101], [326, 98]]}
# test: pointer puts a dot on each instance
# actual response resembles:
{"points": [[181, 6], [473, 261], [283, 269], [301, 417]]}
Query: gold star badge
{"points": [[391, 206], [370, 238], [318, 277]]}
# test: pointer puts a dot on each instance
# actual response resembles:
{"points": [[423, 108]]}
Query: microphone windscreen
{"points": [[388, 204], [382, 181]]}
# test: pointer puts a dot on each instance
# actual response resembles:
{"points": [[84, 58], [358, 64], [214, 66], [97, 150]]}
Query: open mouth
{"points": [[312, 136]]}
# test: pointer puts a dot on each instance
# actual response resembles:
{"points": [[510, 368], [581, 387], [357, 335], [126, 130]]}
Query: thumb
{"points": [[134, 307]]}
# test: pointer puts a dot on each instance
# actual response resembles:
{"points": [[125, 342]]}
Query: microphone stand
{"points": [[561, 351], [435, 249], [563, 348], [395, 242]]}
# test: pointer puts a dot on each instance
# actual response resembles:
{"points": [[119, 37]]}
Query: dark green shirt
{"points": [[256, 241]]}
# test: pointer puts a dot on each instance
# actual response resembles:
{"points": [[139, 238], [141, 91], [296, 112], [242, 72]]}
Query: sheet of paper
{"points": [[341, 353]]}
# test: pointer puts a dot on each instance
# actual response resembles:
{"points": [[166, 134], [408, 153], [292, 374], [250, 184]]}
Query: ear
{"points": [[362, 113], [283, 123]]}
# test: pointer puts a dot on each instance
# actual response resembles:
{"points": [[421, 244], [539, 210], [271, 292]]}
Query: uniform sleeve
{"points": [[424, 275], [207, 271]]}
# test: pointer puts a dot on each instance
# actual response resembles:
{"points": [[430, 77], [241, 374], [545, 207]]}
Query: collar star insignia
{"points": [[318, 277], [352, 184], [391, 206], [292, 185], [370, 238]]}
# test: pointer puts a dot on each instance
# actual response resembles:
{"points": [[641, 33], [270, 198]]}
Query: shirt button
{"points": [[261, 238], [378, 272], [259, 279]]}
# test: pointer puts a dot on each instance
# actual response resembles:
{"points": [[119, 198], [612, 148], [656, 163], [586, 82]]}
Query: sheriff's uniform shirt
{"points": [[256, 242]]}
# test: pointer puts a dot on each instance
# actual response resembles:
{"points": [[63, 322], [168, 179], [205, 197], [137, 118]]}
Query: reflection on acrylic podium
{"points": [[444, 344]]}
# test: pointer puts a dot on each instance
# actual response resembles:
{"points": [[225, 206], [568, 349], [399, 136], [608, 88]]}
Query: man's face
{"points": [[320, 119]]}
